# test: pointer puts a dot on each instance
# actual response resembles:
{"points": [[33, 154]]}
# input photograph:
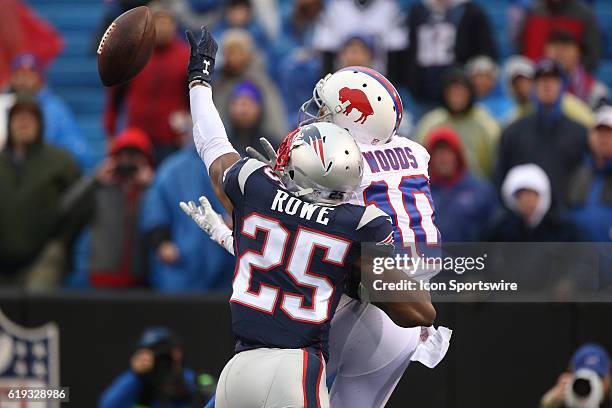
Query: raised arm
{"points": [[209, 133]]}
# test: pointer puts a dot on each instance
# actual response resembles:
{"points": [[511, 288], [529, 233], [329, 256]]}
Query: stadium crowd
{"points": [[521, 146]]}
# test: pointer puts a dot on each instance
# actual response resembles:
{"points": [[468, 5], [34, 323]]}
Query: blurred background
{"points": [[510, 97]]}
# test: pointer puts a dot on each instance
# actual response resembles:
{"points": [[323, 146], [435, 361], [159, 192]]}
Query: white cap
{"points": [[603, 116], [481, 64], [519, 66]]}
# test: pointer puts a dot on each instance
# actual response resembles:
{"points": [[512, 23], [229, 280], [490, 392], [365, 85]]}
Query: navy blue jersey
{"points": [[292, 258]]}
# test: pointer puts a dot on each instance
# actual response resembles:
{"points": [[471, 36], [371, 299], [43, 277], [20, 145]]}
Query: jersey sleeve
{"points": [[422, 156], [236, 177]]}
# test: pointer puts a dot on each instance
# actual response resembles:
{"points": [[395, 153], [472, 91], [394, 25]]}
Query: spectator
{"points": [[590, 188], [590, 359], [520, 72], [358, 50], [298, 27], [546, 137], [463, 202], [240, 63], [443, 34], [158, 93], [183, 258], [193, 14], [36, 227], [380, 19], [483, 72], [60, 126], [117, 250], [299, 66], [239, 14], [529, 215], [157, 376], [478, 130], [298, 74], [547, 16], [21, 31], [566, 50], [245, 115]]}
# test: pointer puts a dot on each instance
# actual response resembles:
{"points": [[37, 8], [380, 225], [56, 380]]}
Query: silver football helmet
{"points": [[321, 163]]}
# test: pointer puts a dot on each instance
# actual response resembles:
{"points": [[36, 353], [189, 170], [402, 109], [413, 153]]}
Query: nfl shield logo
{"points": [[28, 358]]}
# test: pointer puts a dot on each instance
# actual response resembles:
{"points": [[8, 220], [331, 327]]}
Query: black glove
{"points": [[202, 58]]}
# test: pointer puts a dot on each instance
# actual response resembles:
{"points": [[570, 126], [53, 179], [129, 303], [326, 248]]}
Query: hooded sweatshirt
{"points": [[464, 203], [32, 188], [546, 224], [477, 129]]}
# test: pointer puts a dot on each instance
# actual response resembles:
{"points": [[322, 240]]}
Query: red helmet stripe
{"points": [[322, 153]]}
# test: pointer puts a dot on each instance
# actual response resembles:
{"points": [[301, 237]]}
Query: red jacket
{"points": [[448, 136], [573, 16], [154, 95]]}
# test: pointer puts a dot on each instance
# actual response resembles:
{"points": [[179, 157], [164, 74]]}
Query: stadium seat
{"points": [[73, 75]]}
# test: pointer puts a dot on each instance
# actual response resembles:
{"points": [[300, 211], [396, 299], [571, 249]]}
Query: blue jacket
{"points": [[591, 208], [203, 264], [498, 103], [298, 74], [124, 391], [463, 208], [62, 129]]}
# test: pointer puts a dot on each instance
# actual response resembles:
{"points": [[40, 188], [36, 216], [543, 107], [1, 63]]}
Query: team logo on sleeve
{"points": [[358, 100], [387, 241]]}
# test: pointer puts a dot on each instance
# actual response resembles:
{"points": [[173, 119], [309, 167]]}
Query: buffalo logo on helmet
{"points": [[358, 100]]}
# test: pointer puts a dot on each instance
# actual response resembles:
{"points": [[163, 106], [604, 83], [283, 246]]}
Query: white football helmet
{"points": [[358, 99], [321, 163]]}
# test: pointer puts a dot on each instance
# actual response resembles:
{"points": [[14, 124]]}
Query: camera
{"points": [[585, 390], [125, 170]]}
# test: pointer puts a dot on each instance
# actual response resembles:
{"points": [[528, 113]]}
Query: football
{"points": [[126, 46]]}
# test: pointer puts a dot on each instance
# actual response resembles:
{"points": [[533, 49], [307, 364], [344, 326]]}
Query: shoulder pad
{"points": [[371, 213], [250, 166]]}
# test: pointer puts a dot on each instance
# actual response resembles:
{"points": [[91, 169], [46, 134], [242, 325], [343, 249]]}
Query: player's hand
{"points": [[202, 57], [142, 361], [105, 173], [562, 383], [203, 215], [145, 175], [556, 395], [269, 157], [211, 222]]}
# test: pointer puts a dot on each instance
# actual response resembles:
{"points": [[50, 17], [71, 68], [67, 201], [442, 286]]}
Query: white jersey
{"points": [[396, 180], [368, 352]]}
